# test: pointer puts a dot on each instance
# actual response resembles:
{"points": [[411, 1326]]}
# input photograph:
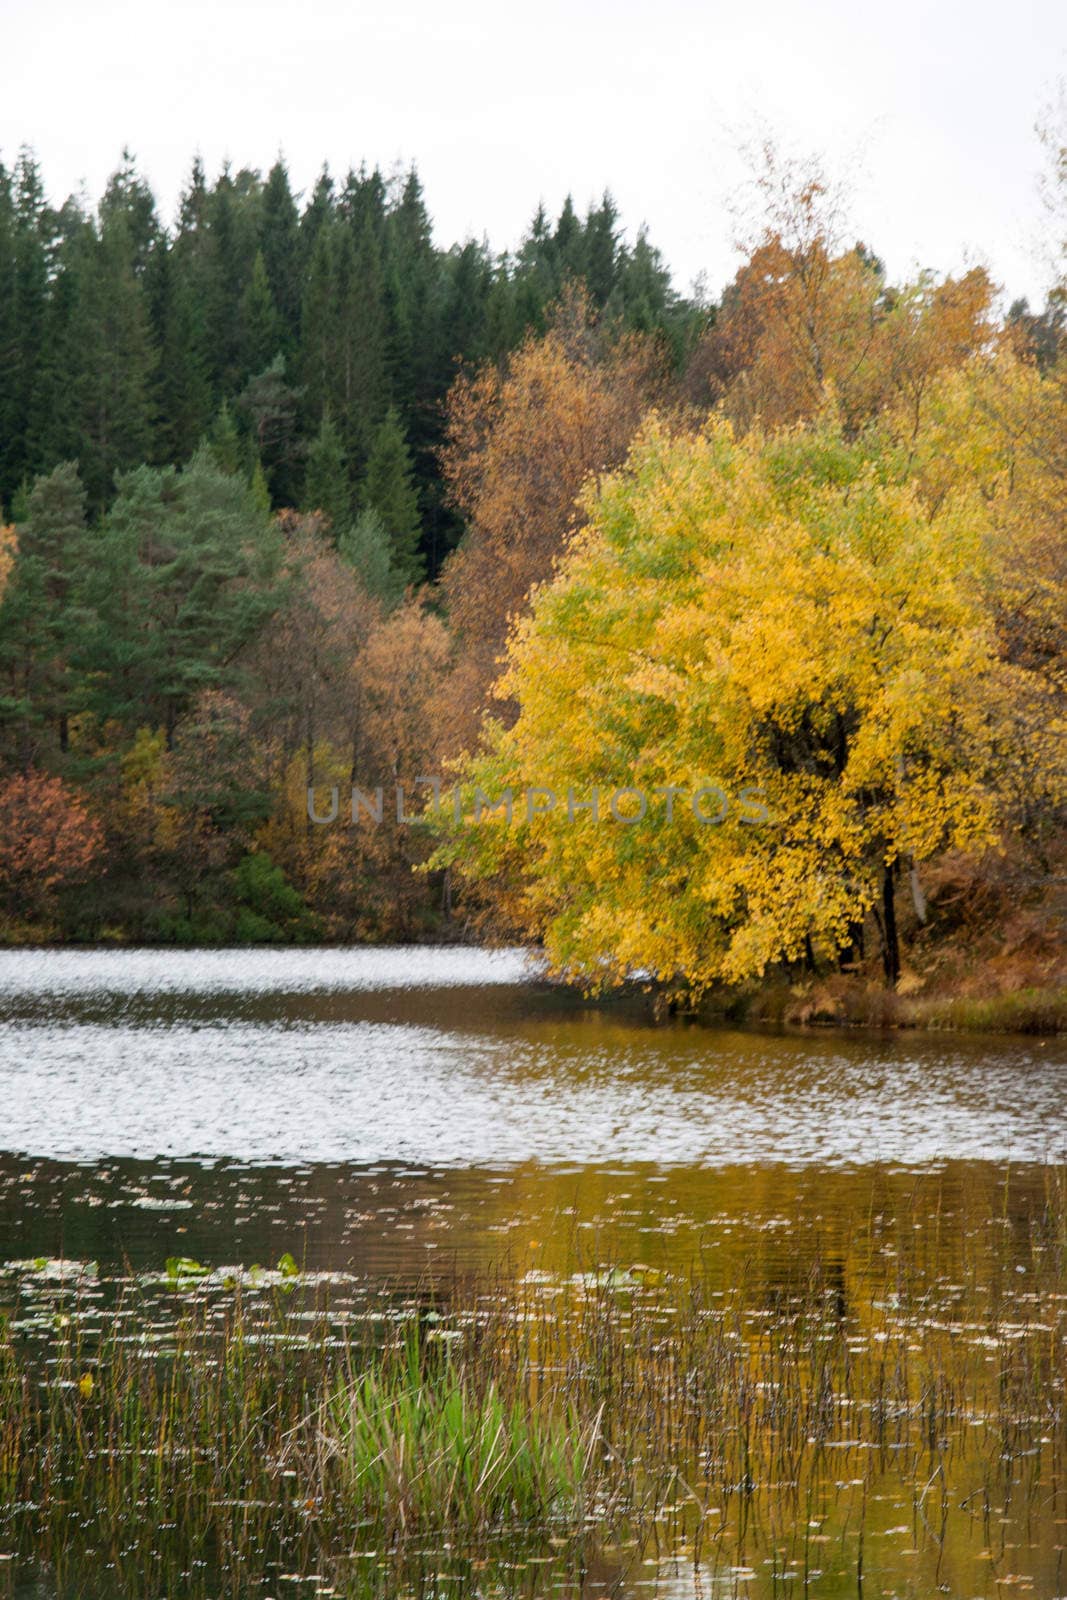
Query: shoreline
{"points": [[824, 1002]]}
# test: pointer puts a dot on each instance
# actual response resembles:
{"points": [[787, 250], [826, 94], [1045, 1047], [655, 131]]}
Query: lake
{"points": [[389, 1114]]}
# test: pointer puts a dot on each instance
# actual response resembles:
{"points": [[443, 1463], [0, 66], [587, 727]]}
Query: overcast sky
{"points": [[930, 106]]}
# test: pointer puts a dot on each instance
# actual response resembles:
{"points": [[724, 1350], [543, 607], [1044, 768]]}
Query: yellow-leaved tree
{"points": [[787, 624]]}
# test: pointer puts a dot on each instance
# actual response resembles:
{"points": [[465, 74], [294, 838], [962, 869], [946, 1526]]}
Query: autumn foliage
{"points": [[522, 442], [807, 546], [48, 840], [843, 591]]}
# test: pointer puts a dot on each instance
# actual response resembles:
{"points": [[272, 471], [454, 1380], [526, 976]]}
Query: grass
{"points": [[554, 1418], [837, 1001], [1029, 1010], [452, 1450]]}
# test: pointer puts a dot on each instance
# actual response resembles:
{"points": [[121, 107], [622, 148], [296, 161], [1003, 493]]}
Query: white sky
{"points": [[930, 105]]}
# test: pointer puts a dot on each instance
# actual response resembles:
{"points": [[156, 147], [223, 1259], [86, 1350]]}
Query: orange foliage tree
{"points": [[522, 441], [809, 323], [48, 839]]}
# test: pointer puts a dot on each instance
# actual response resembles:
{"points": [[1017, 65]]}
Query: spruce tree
{"points": [[318, 325], [37, 616], [103, 365], [367, 548], [30, 228], [388, 488], [326, 485], [271, 405], [601, 247], [225, 444], [260, 330], [360, 387], [279, 242], [12, 419], [181, 394]]}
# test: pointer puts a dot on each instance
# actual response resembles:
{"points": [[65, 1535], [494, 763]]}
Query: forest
{"points": [[296, 499]]}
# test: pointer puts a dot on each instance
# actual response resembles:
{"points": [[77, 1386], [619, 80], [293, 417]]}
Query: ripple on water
{"points": [[458, 1057]]}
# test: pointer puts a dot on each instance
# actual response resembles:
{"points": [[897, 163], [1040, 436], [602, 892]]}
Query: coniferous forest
{"points": [[291, 496]]}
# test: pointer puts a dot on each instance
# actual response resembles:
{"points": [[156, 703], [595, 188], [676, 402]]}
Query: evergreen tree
{"points": [[326, 484], [279, 243], [464, 325], [389, 489], [260, 329], [127, 196], [37, 618], [225, 444], [184, 573], [30, 231], [343, 336], [271, 404], [222, 288], [367, 548], [101, 371], [644, 290], [363, 203], [318, 212], [12, 416], [410, 278], [568, 253], [601, 250], [181, 393]]}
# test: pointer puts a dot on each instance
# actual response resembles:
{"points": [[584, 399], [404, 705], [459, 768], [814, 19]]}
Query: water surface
{"points": [[385, 1114]]}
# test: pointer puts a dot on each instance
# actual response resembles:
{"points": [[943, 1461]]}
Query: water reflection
{"points": [[391, 1115]]}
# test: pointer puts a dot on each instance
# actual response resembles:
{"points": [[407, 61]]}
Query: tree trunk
{"points": [[918, 899], [851, 954], [890, 942]]}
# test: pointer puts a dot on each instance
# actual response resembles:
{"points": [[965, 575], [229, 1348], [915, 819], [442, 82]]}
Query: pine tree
{"points": [[464, 332], [317, 325], [343, 336], [259, 489], [159, 631], [128, 196], [569, 256], [229, 252], [388, 489], [410, 276], [363, 203], [644, 288]]}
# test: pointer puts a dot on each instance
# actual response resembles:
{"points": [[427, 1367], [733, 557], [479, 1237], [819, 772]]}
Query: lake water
{"points": [[393, 1112]]}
